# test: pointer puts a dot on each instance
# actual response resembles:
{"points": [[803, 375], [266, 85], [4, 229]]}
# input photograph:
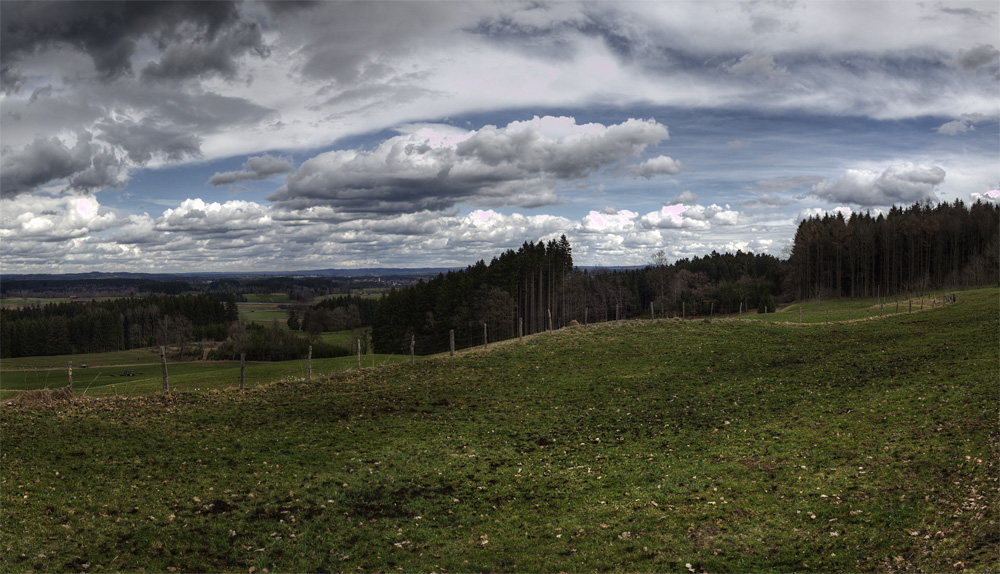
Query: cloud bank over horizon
{"points": [[244, 136]]}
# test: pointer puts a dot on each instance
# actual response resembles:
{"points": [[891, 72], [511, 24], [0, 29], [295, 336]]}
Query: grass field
{"points": [[342, 338], [264, 314], [147, 378], [19, 302], [133, 357], [720, 446], [854, 309], [267, 298]]}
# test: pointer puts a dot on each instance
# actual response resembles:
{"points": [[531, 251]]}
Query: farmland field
{"points": [[703, 446], [20, 302], [264, 313], [267, 298]]}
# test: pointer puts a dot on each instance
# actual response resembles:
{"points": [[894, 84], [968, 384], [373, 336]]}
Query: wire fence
{"points": [[417, 343], [423, 344]]}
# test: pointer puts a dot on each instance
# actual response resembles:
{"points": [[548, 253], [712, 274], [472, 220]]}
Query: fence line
{"points": [[430, 341], [437, 343]]}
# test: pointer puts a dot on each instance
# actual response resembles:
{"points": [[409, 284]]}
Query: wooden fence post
{"points": [[243, 371], [520, 328], [550, 319], [827, 316], [486, 341], [413, 341], [911, 306], [616, 312], [683, 310], [711, 310], [309, 364], [451, 342], [163, 361], [70, 386], [800, 314], [765, 314], [359, 354], [652, 313], [741, 310]]}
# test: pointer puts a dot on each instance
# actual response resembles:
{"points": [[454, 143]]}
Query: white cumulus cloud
{"points": [[436, 167], [49, 218], [661, 165], [901, 183]]}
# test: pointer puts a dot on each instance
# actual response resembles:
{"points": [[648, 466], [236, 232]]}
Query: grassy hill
{"points": [[646, 446]]}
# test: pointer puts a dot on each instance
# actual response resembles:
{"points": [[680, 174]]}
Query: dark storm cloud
{"points": [[160, 123], [348, 42], [205, 112], [981, 55], [169, 130], [86, 166], [219, 55], [40, 92], [143, 141], [969, 13], [40, 162], [109, 33], [107, 171], [254, 169], [552, 30]]}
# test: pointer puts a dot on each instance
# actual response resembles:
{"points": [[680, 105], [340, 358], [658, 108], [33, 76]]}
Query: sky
{"points": [[279, 136]]}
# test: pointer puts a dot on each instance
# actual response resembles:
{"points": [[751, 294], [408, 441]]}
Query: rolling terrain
{"points": [[660, 446]]}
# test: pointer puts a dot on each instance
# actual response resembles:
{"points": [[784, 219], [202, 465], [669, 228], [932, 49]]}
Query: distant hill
{"points": [[365, 272], [360, 272]]}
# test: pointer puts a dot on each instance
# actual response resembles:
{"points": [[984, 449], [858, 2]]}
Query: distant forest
{"points": [[114, 325], [297, 288]]}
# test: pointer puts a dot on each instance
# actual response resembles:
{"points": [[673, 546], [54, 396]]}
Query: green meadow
{"points": [[642, 446], [265, 314], [267, 298], [147, 378]]}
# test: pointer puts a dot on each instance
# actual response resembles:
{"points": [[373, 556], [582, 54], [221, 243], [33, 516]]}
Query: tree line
{"points": [[114, 325], [338, 313], [906, 250], [537, 288], [530, 285], [258, 342]]}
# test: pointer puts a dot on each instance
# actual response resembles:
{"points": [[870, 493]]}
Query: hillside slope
{"points": [[666, 446]]}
